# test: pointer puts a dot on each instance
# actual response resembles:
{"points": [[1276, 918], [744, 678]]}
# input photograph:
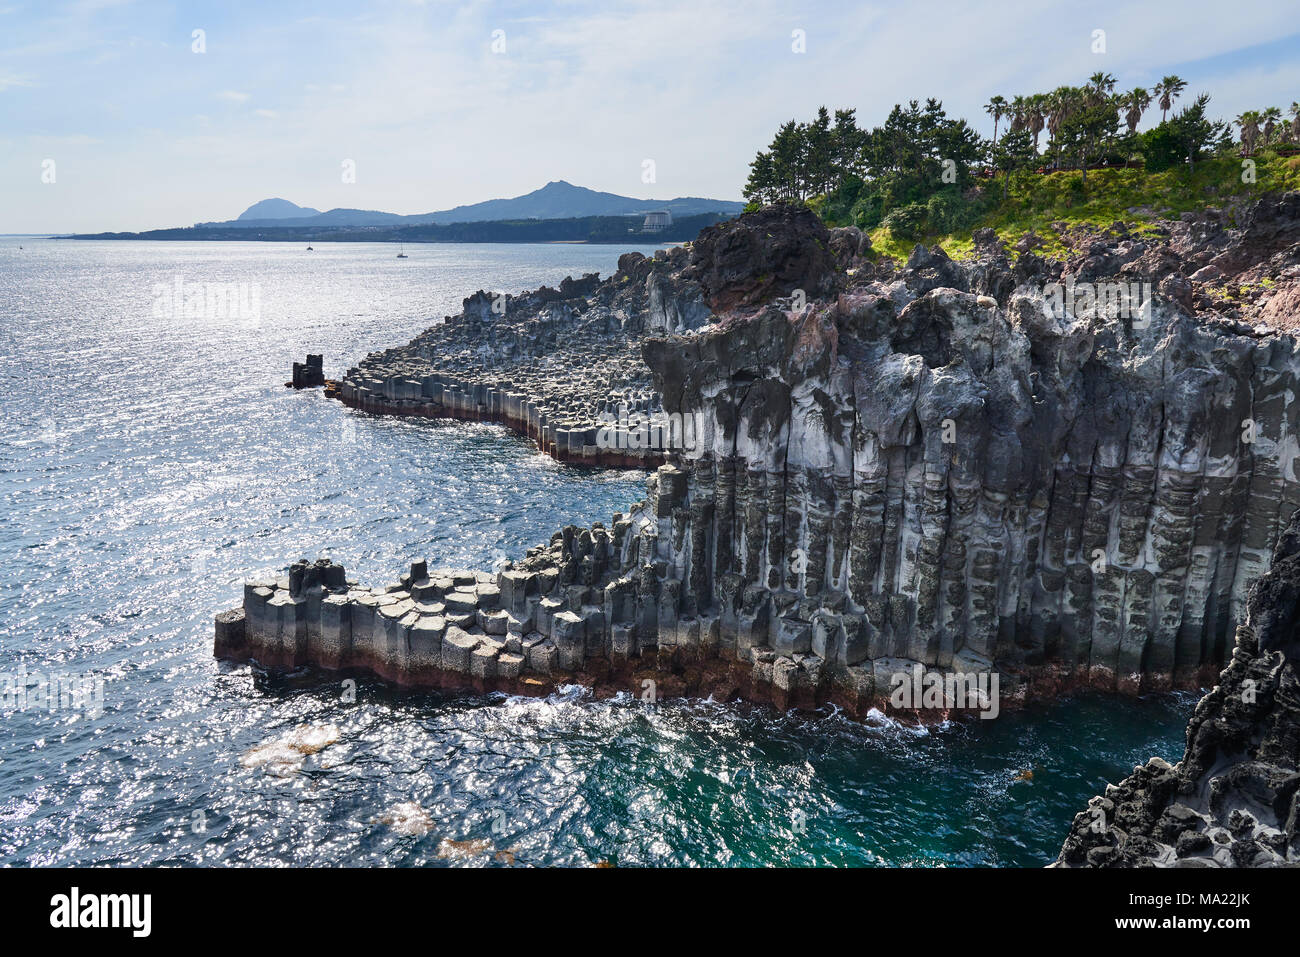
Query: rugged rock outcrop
{"points": [[550, 364], [1234, 798], [1052, 471], [563, 366], [769, 253]]}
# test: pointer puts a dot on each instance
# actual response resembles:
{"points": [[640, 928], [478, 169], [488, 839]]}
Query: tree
{"points": [[1100, 86], [1014, 154], [907, 157], [1059, 104], [1017, 110], [847, 142], [1249, 124], [1271, 117], [1193, 132], [779, 173], [809, 159], [818, 169], [1135, 103], [761, 186], [788, 159], [1084, 133], [1169, 90], [996, 107], [1035, 110]]}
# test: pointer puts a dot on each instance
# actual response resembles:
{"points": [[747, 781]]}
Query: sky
{"points": [[139, 123]]}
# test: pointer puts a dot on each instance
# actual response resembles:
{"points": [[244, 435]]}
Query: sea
{"points": [[152, 460]]}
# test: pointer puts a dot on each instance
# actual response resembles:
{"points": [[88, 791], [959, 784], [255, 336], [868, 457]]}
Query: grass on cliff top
{"points": [[1043, 203]]}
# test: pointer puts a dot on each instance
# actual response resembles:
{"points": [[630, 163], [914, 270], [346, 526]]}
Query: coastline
{"points": [[824, 532], [451, 399], [402, 634]]}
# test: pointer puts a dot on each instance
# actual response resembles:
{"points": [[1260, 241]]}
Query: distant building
{"points": [[657, 221]]}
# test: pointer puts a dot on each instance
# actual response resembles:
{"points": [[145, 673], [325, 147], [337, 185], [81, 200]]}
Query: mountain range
{"points": [[555, 200]]}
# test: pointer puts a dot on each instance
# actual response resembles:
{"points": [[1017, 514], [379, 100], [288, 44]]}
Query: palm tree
{"points": [[1249, 123], [1271, 117], [1017, 113], [1035, 110], [1060, 102], [996, 107], [1135, 103], [1099, 85], [1168, 90]]}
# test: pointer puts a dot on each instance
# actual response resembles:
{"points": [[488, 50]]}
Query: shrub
{"points": [[907, 222], [867, 211], [1161, 149], [950, 212]]}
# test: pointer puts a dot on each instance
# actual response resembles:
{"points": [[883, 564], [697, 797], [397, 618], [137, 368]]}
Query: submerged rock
{"points": [[284, 756], [408, 819]]}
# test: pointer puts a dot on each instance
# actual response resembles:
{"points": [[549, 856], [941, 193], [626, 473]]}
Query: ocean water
{"points": [[150, 462]]}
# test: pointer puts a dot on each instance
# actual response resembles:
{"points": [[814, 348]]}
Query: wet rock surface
{"points": [[1234, 798], [972, 467]]}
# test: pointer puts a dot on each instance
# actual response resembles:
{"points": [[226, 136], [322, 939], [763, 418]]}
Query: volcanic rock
{"points": [[1061, 473]]}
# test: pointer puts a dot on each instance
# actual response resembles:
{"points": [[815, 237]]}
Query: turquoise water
{"points": [[150, 463]]}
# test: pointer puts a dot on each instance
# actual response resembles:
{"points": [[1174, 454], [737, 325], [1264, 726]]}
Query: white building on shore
{"points": [[657, 221]]}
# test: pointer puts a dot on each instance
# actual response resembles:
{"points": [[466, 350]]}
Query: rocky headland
{"points": [[1064, 472], [564, 366]]}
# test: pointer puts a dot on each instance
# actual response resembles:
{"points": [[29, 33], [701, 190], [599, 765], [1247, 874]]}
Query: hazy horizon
{"points": [[437, 105]]}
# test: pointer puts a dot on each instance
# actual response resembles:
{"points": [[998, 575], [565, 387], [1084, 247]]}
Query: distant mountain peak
{"points": [[558, 199], [277, 209]]}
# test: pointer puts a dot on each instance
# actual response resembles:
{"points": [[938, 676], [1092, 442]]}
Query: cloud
{"points": [[71, 140], [585, 90], [8, 80]]}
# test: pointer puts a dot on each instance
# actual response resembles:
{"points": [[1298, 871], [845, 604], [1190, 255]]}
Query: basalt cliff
{"points": [[1065, 472], [1234, 798]]}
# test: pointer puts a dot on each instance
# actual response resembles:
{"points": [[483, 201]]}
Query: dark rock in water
{"points": [[230, 632], [309, 374], [1052, 474], [1234, 798]]}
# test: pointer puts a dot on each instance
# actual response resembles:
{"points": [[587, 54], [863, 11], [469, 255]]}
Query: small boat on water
{"points": [[401, 253], [310, 250]]}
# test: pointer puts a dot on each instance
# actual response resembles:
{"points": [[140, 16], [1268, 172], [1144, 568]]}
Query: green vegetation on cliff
{"points": [[1065, 161], [1052, 205]]}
